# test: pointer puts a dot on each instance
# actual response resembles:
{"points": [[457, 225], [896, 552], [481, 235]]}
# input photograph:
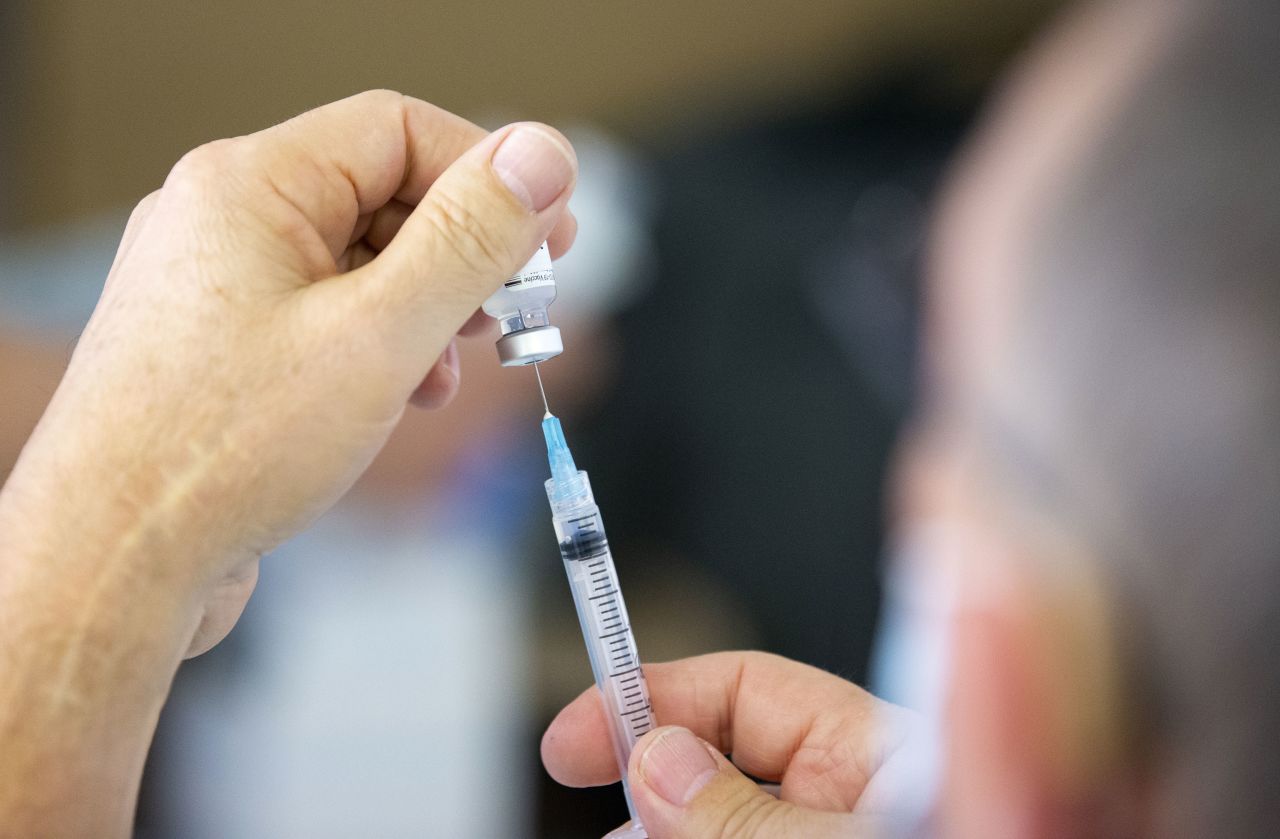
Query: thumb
{"points": [[682, 787], [477, 224]]}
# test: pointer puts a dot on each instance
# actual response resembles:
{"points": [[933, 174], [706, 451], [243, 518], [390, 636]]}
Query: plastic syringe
{"points": [[598, 599]]}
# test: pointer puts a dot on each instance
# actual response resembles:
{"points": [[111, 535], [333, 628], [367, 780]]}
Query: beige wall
{"points": [[116, 90]]}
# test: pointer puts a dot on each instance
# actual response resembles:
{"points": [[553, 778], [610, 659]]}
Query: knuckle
{"points": [[143, 207], [381, 106], [380, 98], [475, 245], [141, 212], [380, 109], [205, 165]]}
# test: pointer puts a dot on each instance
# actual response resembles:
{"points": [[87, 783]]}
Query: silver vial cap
{"points": [[529, 345]]}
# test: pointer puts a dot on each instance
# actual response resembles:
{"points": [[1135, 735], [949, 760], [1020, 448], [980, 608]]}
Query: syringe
{"points": [[598, 599]]}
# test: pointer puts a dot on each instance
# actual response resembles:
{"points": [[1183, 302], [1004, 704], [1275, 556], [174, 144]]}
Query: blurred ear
{"points": [[1034, 746]]}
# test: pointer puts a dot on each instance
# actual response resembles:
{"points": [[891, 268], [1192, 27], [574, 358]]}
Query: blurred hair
{"points": [[1151, 319]]}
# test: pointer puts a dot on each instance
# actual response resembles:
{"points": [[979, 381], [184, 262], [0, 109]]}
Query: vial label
{"points": [[536, 272]]}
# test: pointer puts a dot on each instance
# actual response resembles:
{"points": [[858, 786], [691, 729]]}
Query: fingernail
{"points": [[535, 166], [677, 765]]}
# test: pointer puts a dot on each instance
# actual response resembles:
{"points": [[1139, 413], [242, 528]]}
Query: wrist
{"points": [[94, 625], [92, 492]]}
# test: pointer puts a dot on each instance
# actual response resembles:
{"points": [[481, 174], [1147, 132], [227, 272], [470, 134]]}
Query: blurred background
{"points": [[739, 317]]}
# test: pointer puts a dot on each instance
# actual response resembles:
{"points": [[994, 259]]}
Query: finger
{"points": [[562, 235], [779, 719], [682, 787], [386, 222], [380, 227], [441, 384], [478, 324], [359, 254], [363, 222], [334, 163], [137, 220], [478, 223], [223, 607]]}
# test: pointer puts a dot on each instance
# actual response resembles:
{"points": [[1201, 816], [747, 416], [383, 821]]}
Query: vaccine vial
{"points": [[520, 307]]}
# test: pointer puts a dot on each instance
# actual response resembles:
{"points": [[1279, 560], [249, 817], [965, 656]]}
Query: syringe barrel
{"points": [[602, 614]]}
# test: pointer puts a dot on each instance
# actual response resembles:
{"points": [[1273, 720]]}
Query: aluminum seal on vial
{"points": [[529, 345]]}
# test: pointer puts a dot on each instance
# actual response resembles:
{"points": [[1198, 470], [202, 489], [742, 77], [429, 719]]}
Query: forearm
{"points": [[92, 628]]}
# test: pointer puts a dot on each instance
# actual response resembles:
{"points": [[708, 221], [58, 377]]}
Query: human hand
{"points": [[822, 738], [269, 313]]}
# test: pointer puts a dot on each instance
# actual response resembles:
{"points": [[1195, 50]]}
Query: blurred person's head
{"points": [[1099, 447]]}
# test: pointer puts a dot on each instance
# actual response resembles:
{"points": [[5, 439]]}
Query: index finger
{"points": [[777, 719]]}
